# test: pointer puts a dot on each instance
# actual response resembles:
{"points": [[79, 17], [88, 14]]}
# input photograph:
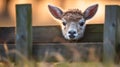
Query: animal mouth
{"points": [[72, 36]]}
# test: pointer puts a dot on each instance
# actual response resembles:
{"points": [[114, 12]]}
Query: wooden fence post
{"points": [[23, 31], [118, 36], [111, 33]]}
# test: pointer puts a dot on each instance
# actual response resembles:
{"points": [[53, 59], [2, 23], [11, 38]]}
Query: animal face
{"points": [[73, 21]]}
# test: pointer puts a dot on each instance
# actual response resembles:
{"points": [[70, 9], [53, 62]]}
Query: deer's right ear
{"points": [[55, 11]]}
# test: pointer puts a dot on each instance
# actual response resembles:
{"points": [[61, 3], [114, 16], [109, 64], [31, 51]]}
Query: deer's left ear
{"points": [[90, 11]]}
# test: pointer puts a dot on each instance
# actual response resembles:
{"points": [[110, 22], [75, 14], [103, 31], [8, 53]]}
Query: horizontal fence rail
{"points": [[53, 34]]}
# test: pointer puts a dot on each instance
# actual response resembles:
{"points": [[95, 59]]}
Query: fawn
{"points": [[73, 21]]}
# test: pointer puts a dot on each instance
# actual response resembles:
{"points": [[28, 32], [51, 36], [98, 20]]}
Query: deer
{"points": [[73, 21]]}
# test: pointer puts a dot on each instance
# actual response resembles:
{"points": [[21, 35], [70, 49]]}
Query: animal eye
{"points": [[81, 24], [64, 23]]}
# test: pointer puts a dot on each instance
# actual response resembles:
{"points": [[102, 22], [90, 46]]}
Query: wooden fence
{"points": [[102, 38], [42, 42]]}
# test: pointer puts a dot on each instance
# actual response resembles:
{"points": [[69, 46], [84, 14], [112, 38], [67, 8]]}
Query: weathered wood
{"points": [[111, 32], [24, 30], [45, 34], [7, 34], [118, 36]]}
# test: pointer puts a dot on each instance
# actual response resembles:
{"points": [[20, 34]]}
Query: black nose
{"points": [[72, 32]]}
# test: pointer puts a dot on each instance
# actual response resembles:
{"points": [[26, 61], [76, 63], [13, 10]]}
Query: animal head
{"points": [[73, 21]]}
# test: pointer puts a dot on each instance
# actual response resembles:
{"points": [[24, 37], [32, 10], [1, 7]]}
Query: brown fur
{"points": [[72, 15]]}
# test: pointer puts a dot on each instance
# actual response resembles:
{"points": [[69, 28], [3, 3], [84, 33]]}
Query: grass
{"points": [[59, 64], [31, 63]]}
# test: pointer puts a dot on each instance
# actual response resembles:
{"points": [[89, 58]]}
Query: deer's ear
{"points": [[55, 11], [90, 11]]}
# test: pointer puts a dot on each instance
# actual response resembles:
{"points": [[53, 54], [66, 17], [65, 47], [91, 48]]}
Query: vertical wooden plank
{"points": [[118, 36], [24, 31], [110, 33], [118, 27]]}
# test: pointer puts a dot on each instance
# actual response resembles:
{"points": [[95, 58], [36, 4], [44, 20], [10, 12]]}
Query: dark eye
{"points": [[64, 23], [81, 24]]}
